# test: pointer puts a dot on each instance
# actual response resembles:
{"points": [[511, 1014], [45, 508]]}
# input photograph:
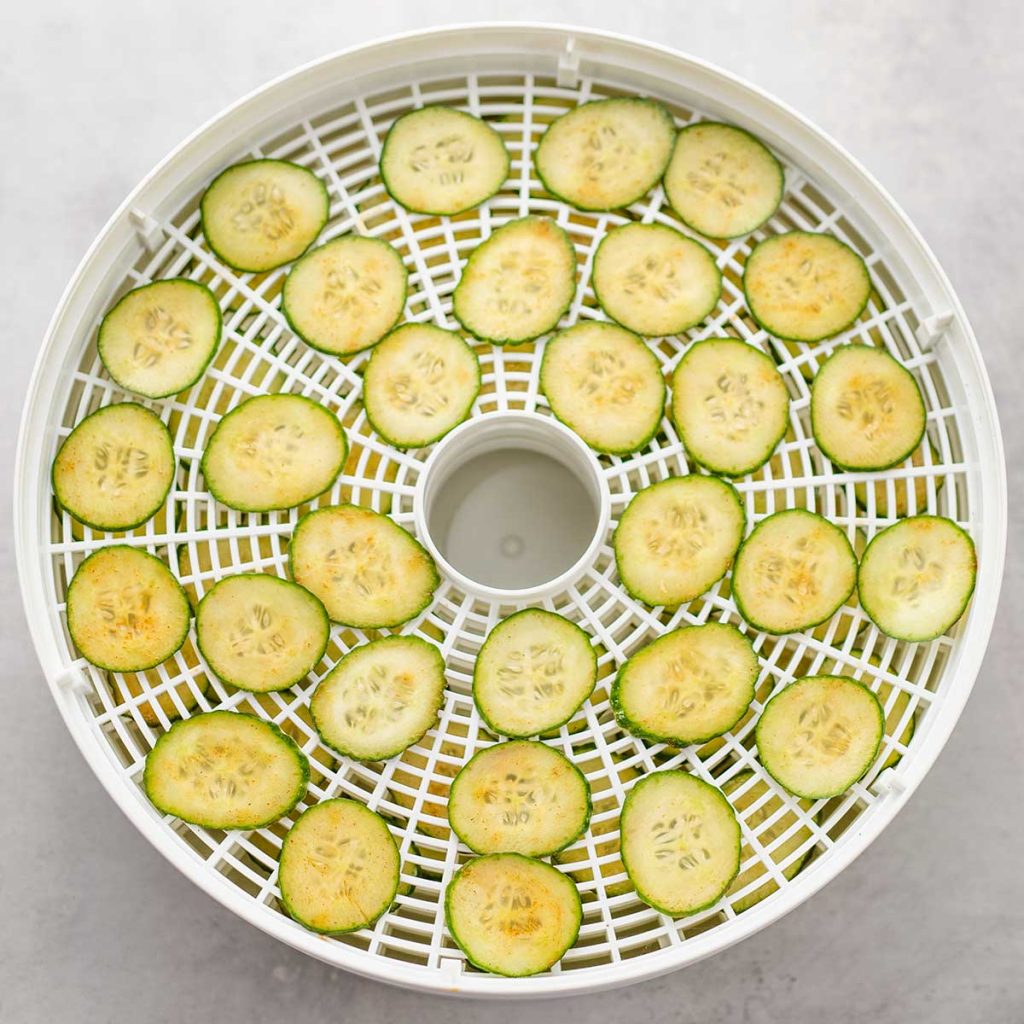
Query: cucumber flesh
{"points": [[899, 506]]}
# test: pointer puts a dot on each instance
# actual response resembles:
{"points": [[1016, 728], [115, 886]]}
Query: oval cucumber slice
{"points": [[339, 868], [917, 576], [677, 538], [512, 915], [115, 469], [819, 735], [605, 384], [223, 769], [899, 505], [261, 214]]}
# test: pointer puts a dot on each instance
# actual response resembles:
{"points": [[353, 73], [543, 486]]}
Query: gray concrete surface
{"points": [[927, 925]]}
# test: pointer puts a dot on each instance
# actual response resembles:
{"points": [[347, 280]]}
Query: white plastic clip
{"points": [[932, 329], [73, 678], [888, 781], [146, 228], [569, 65], [451, 970]]}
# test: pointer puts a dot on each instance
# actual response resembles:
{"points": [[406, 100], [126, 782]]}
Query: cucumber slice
{"points": [[223, 769], [688, 686], [367, 570], [115, 469], [344, 296], [420, 382], [380, 698], [606, 154], [339, 868], [441, 161], [158, 339], [533, 673], [519, 797], [680, 842], [722, 181], [756, 805], [654, 280], [793, 572], [605, 384], [900, 699], [819, 735], [805, 287], [866, 409], [901, 489], [516, 284], [677, 538], [274, 452], [126, 611], [917, 576], [260, 632], [261, 214], [730, 405], [512, 915]]}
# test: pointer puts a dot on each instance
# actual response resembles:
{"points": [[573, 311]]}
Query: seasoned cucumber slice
{"points": [[606, 154], [794, 571], [899, 506], [805, 287], [680, 842], [126, 611], [519, 797], [442, 161], [730, 405], [419, 383], [654, 280], [367, 570], [917, 576], [677, 538], [223, 769], [115, 469], [866, 409], [605, 384], [274, 452], [533, 673], [158, 339], [346, 295], [516, 285], [339, 868], [380, 698], [722, 181], [261, 214], [688, 686], [260, 632], [512, 915], [819, 735]]}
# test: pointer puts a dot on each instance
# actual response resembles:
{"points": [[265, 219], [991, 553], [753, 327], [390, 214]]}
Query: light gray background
{"points": [[928, 924]]}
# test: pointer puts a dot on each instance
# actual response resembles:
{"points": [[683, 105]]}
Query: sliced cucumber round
{"points": [[901, 489], [260, 632], [688, 686], [819, 735], [419, 383], [680, 842], [606, 154], [805, 287], [519, 797], [274, 452], [344, 296], [367, 570], [730, 405], [654, 280], [722, 181], [261, 214], [223, 769], [917, 576], [605, 384], [158, 339], [794, 571], [115, 469], [516, 285], [442, 161], [126, 611], [533, 673], [512, 915], [339, 868], [677, 538]]}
